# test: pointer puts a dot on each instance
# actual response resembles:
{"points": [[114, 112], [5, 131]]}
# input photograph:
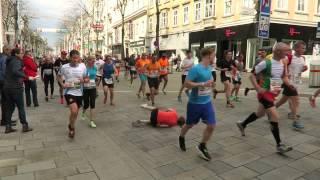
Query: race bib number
{"points": [[237, 76], [47, 72], [163, 70], [133, 68], [275, 85], [186, 73], [91, 83], [204, 91], [154, 74], [117, 64], [74, 84], [108, 80], [228, 74]]}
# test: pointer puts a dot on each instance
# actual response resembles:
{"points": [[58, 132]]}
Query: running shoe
{"points": [[83, 116], [241, 128], [232, 98], [164, 92], [282, 148], [215, 93], [179, 99], [203, 152], [182, 143], [246, 91], [298, 125], [92, 124]]}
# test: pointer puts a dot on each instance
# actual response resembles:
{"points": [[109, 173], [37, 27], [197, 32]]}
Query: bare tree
{"points": [[121, 6], [7, 11]]}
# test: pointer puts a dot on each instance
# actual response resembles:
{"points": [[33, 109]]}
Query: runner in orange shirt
{"points": [[153, 74], [164, 71], [141, 69]]}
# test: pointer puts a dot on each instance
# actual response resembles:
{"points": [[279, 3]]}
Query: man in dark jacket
{"points": [[13, 90], [30, 70]]}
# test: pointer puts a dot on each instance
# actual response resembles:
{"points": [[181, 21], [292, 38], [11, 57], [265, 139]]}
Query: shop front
{"points": [[137, 47]]}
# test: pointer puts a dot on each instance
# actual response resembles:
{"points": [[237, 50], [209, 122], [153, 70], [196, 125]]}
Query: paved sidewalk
{"points": [[117, 151]]}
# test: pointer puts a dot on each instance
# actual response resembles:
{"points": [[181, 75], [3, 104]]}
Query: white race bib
{"points": [[153, 74], [108, 80], [163, 70], [228, 74], [204, 91], [275, 85], [133, 68], [47, 71], [91, 83]]}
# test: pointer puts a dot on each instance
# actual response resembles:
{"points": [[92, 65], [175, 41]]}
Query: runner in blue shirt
{"points": [[109, 70], [200, 80]]}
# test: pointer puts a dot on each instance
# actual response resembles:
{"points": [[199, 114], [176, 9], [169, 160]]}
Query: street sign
{"points": [[318, 30], [264, 19]]}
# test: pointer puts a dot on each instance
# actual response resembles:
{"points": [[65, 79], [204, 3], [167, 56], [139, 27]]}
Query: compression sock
{"points": [[275, 131], [250, 119]]}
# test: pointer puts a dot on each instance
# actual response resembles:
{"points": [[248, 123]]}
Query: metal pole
{"points": [[16, 25]]}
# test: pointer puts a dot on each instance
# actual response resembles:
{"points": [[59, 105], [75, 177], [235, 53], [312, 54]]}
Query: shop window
{"points": [[175, 17], [301, 5], [197, 11], [210, 8], [227, 7], [248, 3], [282, 4], [186, 14]]}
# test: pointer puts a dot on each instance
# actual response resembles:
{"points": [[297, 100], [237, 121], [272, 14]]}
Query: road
{"points": [[117, 151]]}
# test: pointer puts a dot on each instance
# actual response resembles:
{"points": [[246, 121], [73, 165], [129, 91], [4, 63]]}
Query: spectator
{"points": [[30, 70]]}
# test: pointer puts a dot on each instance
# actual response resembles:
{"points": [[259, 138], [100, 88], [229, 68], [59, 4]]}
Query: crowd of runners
{"points": [[80, 79]]}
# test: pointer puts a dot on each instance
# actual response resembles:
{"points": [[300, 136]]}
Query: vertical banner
{"points": [[264, 19]]}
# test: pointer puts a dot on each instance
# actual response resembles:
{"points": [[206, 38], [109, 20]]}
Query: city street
{"points": [[117, 151]]}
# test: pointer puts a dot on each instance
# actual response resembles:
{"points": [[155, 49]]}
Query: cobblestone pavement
{"points": [[117, 151]]}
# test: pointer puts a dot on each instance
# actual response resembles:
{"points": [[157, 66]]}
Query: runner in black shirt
{"points": [[57, 66], [47, 76]]}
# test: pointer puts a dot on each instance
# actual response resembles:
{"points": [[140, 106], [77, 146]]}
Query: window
{"points": [[164, 19], [197, 12], [150, 23], [282, 4], [301, 5], [210, 8], [186, 14], [248, 3], [318, 7], [175, 17], [227, 7]]}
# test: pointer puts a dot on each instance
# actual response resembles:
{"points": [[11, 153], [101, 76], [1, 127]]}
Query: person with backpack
{"points": [[273, 74], [296, 66]]}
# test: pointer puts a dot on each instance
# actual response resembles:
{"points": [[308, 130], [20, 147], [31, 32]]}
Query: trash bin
{"points": [[314, 74]]}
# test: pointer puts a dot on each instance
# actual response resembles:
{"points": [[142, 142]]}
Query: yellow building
{"points": [[231, 25]]}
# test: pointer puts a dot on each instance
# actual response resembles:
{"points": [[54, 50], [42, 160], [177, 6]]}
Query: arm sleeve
{"points": [[260, 67]]}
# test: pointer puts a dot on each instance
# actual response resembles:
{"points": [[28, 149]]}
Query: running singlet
{"points": [[200, 74], [187, 62], [140, 64], [72, 76], [132, 64], [153, 70], [295, 69], [224, 64], [47, 70], [169, 117], [164, 64], [99, 63], [108, 70], [91, 73]]}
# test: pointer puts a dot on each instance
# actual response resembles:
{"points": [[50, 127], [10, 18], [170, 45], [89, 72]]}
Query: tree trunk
{"points": [[157, 28], [122, 38]]}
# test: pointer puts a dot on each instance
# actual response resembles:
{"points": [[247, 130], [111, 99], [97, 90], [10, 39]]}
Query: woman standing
{"points": [[47, 76], [89, 91], [108, 81]]}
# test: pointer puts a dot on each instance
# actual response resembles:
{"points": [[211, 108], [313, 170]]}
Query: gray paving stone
{"points": [[241, 159], [55, 173], [10, 162], [239, 148], [228, 141], [8, 171], [86, 176], [218, 167], [7, 148], [240, 173], [198, 173], [283, 173], [4, 142], [188, 164], [277, 160], [169, 170], [28, 176], [84, 168], [306, 164], [314, 175], [43, 165], [259, 166], [307, 148]]}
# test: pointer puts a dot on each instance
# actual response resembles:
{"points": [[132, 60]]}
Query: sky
{"points": [[48, 14]]}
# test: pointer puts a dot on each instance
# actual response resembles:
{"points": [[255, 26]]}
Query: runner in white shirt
{"points": [[273, 75], [296, 65], [74, 74], [186, 65], [99, 64]]}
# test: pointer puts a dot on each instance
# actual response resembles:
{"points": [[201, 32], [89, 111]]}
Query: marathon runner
{"points": [[225, 66], [99, 64], [237, 76], [109, 70], [273, 75], [117, 64], [89, 91], [57, 66], [296, 66], [186, 65], [200, 80], [47, 76], [141, 68], [74, 75], [164, 64], [153, 73], [133, 70]]}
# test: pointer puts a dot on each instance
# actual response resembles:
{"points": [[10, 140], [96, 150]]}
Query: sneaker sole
{"points": [[241, 129], [201, 154], [283, 152]]}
